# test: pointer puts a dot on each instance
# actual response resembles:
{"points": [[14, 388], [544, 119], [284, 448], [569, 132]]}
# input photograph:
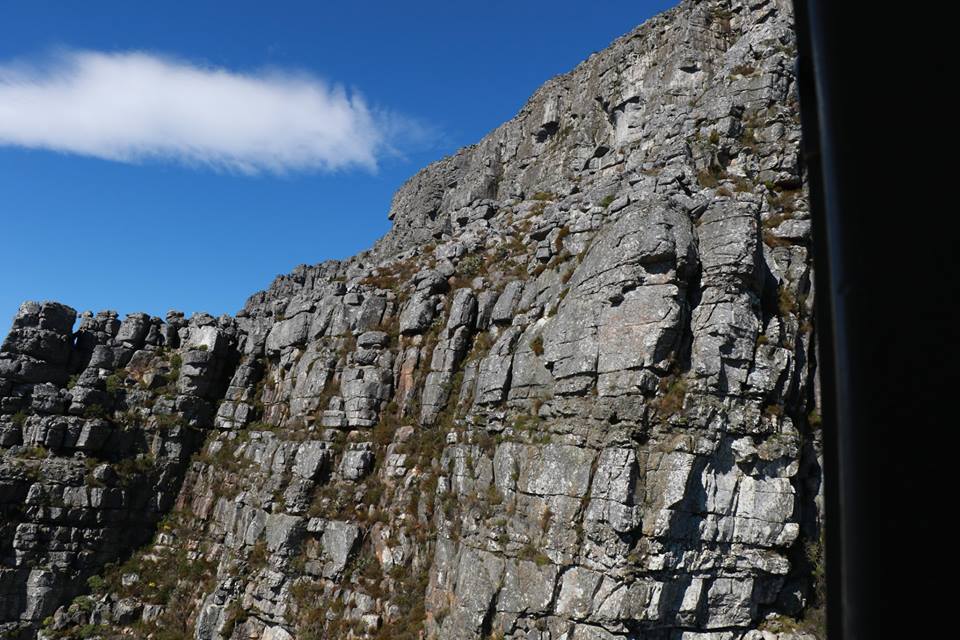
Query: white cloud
{"points": [[134, 106]]}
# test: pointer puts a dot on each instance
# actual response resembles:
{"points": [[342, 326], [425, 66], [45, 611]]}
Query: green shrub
{"points": [[90, 631], [94, 411], [115, 380], [532, 553], [34, 453], [471, 266], [96, 584], [83, 603], [130, 469], [167, 421]]}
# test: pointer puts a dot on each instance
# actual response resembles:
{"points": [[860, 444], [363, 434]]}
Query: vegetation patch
{"points": [[671, 394], [536, 345]]}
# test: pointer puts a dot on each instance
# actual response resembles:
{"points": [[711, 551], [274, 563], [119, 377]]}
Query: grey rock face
{"points": [[90, 464], [447, 354], [570, 395], [418, 314], [356, 462]]}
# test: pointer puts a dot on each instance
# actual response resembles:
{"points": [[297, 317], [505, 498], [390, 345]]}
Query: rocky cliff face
{"points": [[570, 395]]}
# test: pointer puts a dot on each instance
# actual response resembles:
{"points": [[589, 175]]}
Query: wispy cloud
{"points": [[134, 106]]}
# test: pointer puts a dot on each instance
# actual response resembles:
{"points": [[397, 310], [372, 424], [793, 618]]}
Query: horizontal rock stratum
{"points": [[571, 395]]}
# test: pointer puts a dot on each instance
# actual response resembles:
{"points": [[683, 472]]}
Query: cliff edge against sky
{"points": [[570, 395]]}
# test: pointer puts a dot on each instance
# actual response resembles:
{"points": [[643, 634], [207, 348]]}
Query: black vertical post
{"points": [[875, 114]]}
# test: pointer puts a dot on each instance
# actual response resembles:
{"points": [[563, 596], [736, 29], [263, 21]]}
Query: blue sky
{"points": [[96, 222]]}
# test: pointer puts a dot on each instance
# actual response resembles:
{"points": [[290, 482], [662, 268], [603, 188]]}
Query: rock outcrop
{"points": [[570, 395]]}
